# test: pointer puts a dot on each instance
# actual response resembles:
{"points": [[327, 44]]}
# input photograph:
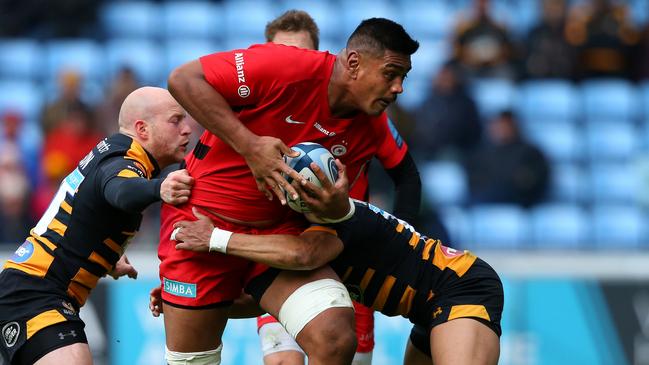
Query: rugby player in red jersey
{"points": [[254, 103], [297, 28]]}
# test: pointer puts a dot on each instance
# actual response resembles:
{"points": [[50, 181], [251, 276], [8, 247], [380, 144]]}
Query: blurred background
{"points": [[529, 121]]}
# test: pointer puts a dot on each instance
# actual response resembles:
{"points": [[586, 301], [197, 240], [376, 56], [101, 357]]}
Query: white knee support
{"points": [[309, 300], [211, 357], [274, 338]]}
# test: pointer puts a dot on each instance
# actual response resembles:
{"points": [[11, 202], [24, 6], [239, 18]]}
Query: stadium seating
{"points": [[444, 183], [143, 56], [186, 20], [611, 141], [610, 100], [23, 96], [131, 19], [493, 95], [614, 183], [355, 11], [182, 51], [247, 18], [549, 100], [559, 226], [20, 59], [457, 223], [427, 19], [499, 226], [560, 141], [569, 184], [83, 56], [619, 226]]}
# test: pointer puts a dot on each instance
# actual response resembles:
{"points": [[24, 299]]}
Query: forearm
{"points": [[132, 194], [189, 87], [280, 251]]}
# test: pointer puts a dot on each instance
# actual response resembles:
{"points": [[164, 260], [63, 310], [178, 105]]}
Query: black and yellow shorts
{"points": [[35, 318], [478, 294]]}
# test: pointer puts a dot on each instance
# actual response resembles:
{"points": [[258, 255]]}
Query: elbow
{"points": [[175, 80]]}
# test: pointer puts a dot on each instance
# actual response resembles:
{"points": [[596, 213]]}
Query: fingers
{"points": [[199, 215], [174, 234], [183, 177], [342, 175], [288, 151], [324, 180]]}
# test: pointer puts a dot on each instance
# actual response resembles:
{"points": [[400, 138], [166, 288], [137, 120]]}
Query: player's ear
{"points": [[141, 129], [352, 60]]}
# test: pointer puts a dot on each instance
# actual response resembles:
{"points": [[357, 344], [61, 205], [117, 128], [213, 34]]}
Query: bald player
{"points": [[84, 232]]}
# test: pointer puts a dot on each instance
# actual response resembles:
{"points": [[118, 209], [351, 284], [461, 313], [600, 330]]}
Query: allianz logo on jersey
{"points": [[323, 130], [179, 289]]}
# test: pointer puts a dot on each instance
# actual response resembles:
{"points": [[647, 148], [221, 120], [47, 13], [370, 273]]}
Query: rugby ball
{"points": [[310, 152]]}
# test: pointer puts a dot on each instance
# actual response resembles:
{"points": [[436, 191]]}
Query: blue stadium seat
{"points": [[83, 56], [444, 183], [500, 226], [560, 226], [611, 140], [355, 11], [493, 95], [569, 184], [619, 226], [20, 59], [182, 51], [144, 57], [325, 13], [25, 97], [427, 19], [611, 99], [247, 18], [131, 19], [561, 141], [457, 223], [548, 100], [191, 19], [614, 183]]}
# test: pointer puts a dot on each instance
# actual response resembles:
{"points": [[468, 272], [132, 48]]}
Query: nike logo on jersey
{"points": [[291, 121]]}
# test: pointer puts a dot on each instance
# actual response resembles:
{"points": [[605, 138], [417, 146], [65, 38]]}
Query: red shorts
{"points": [[364, 326], [201, 279]]}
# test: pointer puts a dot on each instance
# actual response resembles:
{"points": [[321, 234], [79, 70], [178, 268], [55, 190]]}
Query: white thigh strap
{"points": [[309, 300]]}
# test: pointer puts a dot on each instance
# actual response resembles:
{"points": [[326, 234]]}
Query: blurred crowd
{"points": [[572, 40]]}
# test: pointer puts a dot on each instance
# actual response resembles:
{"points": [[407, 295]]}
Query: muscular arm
{"points": [[307, 251], [263, 155], [407, 188], [188, 86]]}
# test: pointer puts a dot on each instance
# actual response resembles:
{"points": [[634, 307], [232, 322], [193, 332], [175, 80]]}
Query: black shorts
{"points": [[35, 318], [478, 295]]}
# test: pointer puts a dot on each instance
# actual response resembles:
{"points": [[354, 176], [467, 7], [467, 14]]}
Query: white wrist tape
{"points": [[352, 209], [219, 240]]}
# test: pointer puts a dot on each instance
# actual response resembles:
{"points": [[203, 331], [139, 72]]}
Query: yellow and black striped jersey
{"points": [[389, 266], [92, 217]]}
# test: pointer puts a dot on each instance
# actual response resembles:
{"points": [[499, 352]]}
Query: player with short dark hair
{"points": [[253, 103], [297, 28], [83, 234]]}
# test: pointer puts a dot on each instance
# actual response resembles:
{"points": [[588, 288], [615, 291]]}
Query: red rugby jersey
{"points": [[280, 91]]}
